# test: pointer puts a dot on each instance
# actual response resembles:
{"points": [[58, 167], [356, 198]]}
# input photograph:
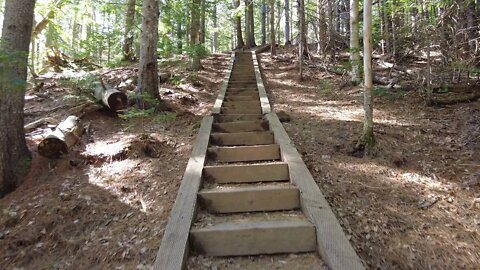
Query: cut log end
{"points": [[117, 101], [52, 147]]}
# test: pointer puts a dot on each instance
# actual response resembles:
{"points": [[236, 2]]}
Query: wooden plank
{"points": [[235, 104], [241, 110], [242, 138], [173, 249], [260, 86], [247, 173], [333, 245], [238, 117], [241, 98], [244, 153], [223, 88], [241, 126], [250, 199], [261, 237]]}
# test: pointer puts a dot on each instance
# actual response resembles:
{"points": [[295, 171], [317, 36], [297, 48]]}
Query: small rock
{"points": [[326, 157]]}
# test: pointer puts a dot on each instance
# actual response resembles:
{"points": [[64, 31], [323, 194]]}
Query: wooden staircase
{"points": [[237, 196]]}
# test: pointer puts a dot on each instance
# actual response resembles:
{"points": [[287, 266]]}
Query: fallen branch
{"points": [[455, 100], [31, 126], [111, 97]]}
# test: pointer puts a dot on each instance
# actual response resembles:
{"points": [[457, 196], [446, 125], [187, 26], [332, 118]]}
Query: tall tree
{"points": [[238, 23], [302, 38], [195, 36], [264, 22], [215, 28], [148, 67], [250, 22], [128, 54], [287, 23], [367, 139], [16, 34], [354, 43], [273, 48]]}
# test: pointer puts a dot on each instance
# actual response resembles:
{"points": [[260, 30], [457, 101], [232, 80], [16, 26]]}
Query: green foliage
{"points": [[197, 51], [325, 87], [165, 117], [82, 84], [133, 113]]}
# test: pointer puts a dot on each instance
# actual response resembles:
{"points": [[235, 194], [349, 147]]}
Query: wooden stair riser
{"points": [[241, 126], [242, 138], [244, 153], [247, 173], [250, 199], [269, 237], [238, 117]]}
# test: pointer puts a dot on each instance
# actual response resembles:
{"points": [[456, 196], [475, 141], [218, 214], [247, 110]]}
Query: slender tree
{"points": [[354, 43], [273, 48], [215, 28], [128, 54], [250, 24], [16, 33], [264, 22], [287, 23], [148, 67], [195, 36], [367, 139]]}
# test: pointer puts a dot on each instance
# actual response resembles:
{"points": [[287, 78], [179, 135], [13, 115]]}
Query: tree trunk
{"points": [[250, 33], [264, 22], [273, 46], [301, 45], [60, 140], [148, 67], [238, 21], [215, 30], [202, 22], [287, 23], [195, 37], [354, 43], [322, 29], [128, 54], [16, 34], [367, 140]]}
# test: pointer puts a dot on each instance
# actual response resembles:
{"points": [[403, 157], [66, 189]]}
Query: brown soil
{"points": [[415, 202], [105, 205]]}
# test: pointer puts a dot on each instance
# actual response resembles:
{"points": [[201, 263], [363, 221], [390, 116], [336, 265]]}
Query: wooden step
{"points": [[250, 199], [238, 117], [244, 153], [254, 238], [241, 104], [242, 138], [241, 126], [241, 110], [247, 173], [242, 98], [241, 91]]}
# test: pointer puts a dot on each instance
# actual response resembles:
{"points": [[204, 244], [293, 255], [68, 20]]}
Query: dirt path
{"points": [[106, 204], [416, 203]]}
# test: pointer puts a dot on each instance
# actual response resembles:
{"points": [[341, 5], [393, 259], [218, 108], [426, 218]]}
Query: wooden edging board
{"points": [[261, 87], [332, 243], [221, 96], [173, 250]]}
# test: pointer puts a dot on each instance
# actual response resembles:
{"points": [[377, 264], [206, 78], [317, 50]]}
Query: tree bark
{"points": [[128, 54], [250, 33], [273, 46], [367, 139], [354, 43], [195, 36], [215, 30], [60, 140], [264, 23], [238, 22], [322, 29], [287, 23], [301, 45], [16, 34], [148, 67], [202, 31], [111, 97]]}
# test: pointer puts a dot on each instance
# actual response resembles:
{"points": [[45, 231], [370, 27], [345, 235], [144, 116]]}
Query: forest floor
{"points": [[413, 204], [105, 204]]}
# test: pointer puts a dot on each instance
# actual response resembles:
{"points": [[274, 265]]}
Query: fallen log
{"points": [[454, 100], [31, 126], [111, 97], [389, 82], [60, 140]]}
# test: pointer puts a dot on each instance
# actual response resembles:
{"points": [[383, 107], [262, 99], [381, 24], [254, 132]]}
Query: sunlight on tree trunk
{"points": [[367, 139], [148, 67], [16, 33], [287, 23], [238, 23], [273, 49], [195, 36], [354, 44], [128, 54]]}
